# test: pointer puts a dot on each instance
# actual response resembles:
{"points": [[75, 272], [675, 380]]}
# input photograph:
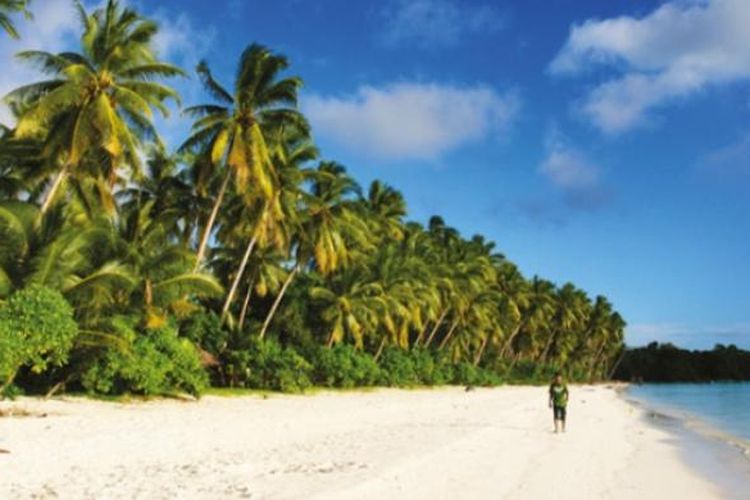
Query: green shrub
{"points": [[205, 330], [153, 362], [343, 366], [397, 368], [265, 364], [37, 330]]}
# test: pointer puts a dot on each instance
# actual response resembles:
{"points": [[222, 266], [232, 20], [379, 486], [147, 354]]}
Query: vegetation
{"points": [[242, 259], [667, 363], [7, 8]]}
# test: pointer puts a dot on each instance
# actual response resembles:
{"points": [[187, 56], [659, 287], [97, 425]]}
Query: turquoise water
{"points": [[723, 406]]}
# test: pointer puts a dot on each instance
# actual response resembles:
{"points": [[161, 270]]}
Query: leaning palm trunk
{"points": [[380, 349], [449, 334], [513, 362], [480, 352], [509, 342], [595, 359], [612, 370], [238, 276], [543, 355], [245, 306], [50, 197], [277, 302], [210, 223], [436, 328]]}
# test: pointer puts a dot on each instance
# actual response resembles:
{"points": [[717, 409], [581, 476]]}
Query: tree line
{"points": [[242, 258], [667, 363]]}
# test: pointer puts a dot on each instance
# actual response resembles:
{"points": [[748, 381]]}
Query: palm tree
{"points": [[330, 229], [100, 100], [272, 219], [161, 267], [235, 131], [385, 209], [8, 7], [569, 305], [350, 306]]}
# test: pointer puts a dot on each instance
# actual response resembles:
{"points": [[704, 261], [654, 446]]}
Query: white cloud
{"points": [[566, 167], [729, 162], [412, 120], [53, 28], [679, 49], [181, 42], [437, 23], [573, 173]]}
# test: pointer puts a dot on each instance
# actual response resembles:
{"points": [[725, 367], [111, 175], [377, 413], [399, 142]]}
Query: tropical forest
{"points": [[242, 258]]}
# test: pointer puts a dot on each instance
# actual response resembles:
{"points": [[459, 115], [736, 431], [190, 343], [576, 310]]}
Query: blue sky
{"points": [[604, 143]]}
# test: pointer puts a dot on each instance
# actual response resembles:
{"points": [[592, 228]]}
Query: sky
{"points": [[603, 143]]}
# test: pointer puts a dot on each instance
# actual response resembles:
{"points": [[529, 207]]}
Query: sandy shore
{"points": [[443, 443]]}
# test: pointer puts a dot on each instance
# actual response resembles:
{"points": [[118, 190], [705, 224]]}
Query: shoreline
{"points": [[718, 456], [387, 443]]}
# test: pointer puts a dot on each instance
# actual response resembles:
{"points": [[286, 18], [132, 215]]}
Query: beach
{"points": [[411, 444]]}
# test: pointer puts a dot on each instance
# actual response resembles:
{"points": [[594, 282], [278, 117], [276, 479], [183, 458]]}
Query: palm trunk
{"points": [[595, 359], [380, 349], [245, 306], [617, 363], [478, 356], [543, 355], [238, 276], [211, 220], [513, 362], [509, 342], [436, 328], [422, 334], [448, 335], [49, 198], [277, 302]]}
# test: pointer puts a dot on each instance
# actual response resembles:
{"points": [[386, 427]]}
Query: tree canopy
{"points": [[243, 257]]}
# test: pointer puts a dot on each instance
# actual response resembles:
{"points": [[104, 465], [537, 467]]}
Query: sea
{"points": [[712, 423]]}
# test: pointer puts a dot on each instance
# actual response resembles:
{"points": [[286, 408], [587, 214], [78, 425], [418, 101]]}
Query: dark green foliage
{"points": [[343, 366], [36, 330], [397, 368], [154, 362], [667, 363], [268, 365], [204, 329], [468, 374]]}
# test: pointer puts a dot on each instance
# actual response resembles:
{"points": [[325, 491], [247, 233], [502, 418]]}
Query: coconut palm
{"points": [[569, 313], [351, 305], [272, 218], [235, 131], [330, 230], [99, 101], [385, 209], [9, 7]]}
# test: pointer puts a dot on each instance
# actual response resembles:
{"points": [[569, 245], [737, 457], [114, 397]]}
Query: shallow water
{"points": [[723, 406], [711, 423]]}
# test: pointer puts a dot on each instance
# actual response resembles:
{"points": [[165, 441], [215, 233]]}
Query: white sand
{"points": [[443, 443]]}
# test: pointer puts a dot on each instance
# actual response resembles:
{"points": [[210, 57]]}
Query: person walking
{"points": [[558, 401]]}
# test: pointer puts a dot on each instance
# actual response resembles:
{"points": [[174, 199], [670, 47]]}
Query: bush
{"points": [[397, 368], [204, 329], [524, 371], [343, 366], [265, 364], [37, 330], [153, 362]]}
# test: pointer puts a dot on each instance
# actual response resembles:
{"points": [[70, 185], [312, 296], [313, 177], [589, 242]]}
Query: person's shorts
{"points": [[559, 412]]}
